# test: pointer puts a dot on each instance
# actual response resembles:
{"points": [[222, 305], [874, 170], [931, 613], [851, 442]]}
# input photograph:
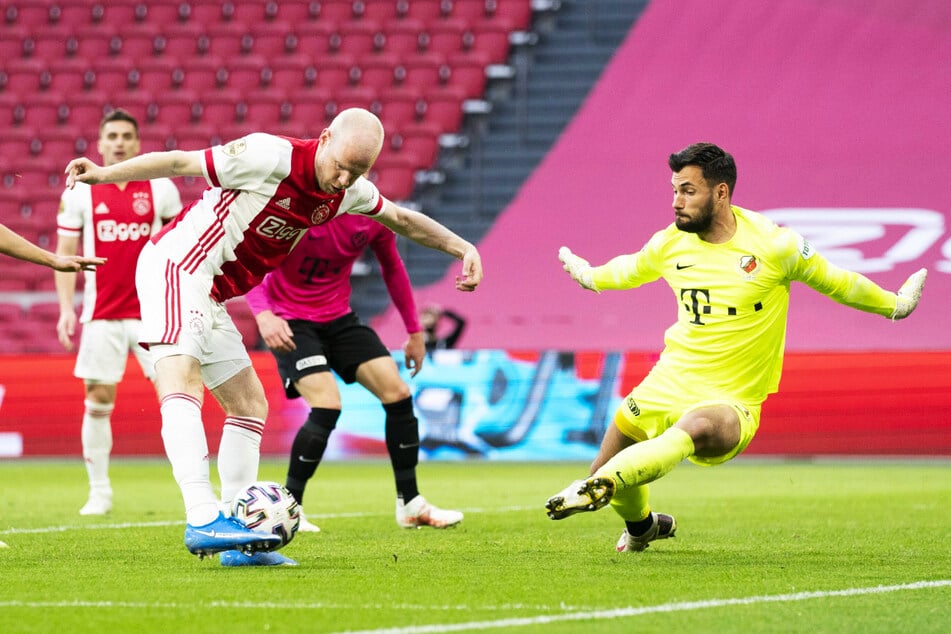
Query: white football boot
{"points": [[418, 513]]}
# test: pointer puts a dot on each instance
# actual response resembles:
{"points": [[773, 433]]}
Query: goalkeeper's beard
{"points": [[699, 224]]}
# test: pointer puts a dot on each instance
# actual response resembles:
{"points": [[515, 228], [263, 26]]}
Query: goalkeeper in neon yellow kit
{"points": [[730, 270]]}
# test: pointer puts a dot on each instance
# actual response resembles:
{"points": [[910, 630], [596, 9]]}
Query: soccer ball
{"points": [[270, 508]]}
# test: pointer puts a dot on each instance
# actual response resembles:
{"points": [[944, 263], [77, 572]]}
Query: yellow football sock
{"points": [[646, 461], [631, 503]]}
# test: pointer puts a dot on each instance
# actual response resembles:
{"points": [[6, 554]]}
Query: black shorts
{"points": [[340, 345]]}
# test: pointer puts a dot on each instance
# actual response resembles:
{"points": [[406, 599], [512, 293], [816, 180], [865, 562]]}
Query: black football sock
{"points": [[308, 448], [636, 529], [402, 443]]}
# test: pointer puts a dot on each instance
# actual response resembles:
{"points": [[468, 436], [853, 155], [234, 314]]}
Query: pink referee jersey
{"points": [[263, 198], [313, 283], [115, 223]]}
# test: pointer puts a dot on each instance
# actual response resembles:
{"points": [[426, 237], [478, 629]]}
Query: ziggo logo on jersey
{"points": [[845, 236], [112, 231]]}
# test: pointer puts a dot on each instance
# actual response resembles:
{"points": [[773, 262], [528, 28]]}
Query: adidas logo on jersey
{"points": [[101, 208], [284, 203]]}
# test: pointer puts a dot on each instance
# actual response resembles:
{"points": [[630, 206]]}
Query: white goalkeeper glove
{"points": [[578, 268], [910, 294]]}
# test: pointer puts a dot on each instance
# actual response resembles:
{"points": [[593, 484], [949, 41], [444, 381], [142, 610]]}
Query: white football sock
{"points": [[96, 437], [187, 451], [238, 455]]}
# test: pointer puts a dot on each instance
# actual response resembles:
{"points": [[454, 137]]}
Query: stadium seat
{"points": [[177, 107], [196, 136], [297, 12], [248, 13], [405, 37], [353, 97], [288, 72], [444, 108], [119, 12], [138, 41], [185, 40], [419, 144], [314, 38], [111, 75], [516, 14], [395, 177], [311, 109], [273, 39], [219, 107], [336, 10], [333, 72], [36, 173], [164, 13], [20, 142], [264, 110], [400, 106], [383, 11], [12, 39], [205, 12], [203, 73], [426, 71], [94, 42], [425, 10], [491, 38], [30, 15], [74, 12], [379, 72], [157, 137], [64, 142], [229, 39], [467, 72], [155, 73], [23, 75], [85, 110], [249, 72], [446, 36], [358, 37], [44, 109]]}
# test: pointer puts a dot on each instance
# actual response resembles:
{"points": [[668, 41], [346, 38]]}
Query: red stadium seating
{"points": [[272, 39], [492, 37], [230, 39], [155, 73], [354, 97], [314, 38], [419, 144], [71, 75], [20, 142], [336, 10], [379, 71], [219, 107], [12, 39], [383, 11], [395, 176], [111, 75], [297, 12], [446, 36], [45, 109], [426, 10], [178, 107], [31, 15], [138, 41], [247, 73], [426, 71], [467, 72], [405, 37], [444, 108], [95, 41], [264, 110], [86, 109], [358, 38], [401, 106], [164, 13], [288, 73], [203, 73], [23, 75]]}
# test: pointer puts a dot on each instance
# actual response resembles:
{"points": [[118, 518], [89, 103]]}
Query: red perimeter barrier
{"points": [[894, 403]]}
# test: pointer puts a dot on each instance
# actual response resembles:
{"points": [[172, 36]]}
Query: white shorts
{"points": [[104, 347], [180, 317]]}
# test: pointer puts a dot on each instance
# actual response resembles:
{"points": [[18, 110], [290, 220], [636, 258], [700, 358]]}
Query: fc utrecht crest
{"points": [[320, 215]]}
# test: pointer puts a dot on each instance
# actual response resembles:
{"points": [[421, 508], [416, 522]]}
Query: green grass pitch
{"points": [[762, 546]]}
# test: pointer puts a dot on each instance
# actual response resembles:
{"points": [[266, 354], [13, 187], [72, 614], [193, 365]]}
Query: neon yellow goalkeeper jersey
{"points": [[732, 301]]}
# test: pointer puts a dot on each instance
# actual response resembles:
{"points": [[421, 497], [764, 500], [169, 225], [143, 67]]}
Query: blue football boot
{"points": [[226, 533]]}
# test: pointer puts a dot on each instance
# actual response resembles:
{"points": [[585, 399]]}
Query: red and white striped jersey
{"points": [[115, 223], [263, 198]]}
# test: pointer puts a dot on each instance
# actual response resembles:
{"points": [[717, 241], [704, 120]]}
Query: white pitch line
{"points": [[619, 613], [124, 525]]}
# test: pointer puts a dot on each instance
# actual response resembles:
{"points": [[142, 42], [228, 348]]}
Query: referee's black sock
{"points": [[308, 448], [402, 443]]}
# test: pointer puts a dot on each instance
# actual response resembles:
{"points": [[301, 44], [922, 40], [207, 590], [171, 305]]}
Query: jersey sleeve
{"points": [[806, 265], [257, 298], [396, 277], [73, 205], [631, 270], [247, 162], [362, 198], [168, 200]]}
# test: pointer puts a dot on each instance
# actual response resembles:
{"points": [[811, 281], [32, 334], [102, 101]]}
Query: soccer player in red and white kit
{"points": [[304, 316], [266, 191], [114, 221]]}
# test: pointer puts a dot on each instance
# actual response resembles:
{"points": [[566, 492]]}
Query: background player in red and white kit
{"points": [[266, 191], [304, 316], [114, 221]]}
